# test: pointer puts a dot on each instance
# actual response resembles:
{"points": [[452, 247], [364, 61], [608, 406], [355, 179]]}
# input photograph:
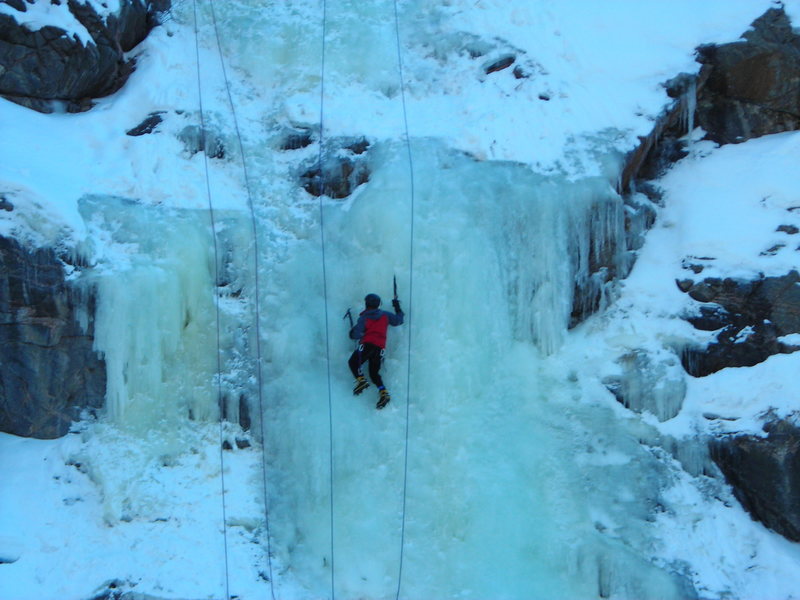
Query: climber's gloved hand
{"points": [[396, 305]]}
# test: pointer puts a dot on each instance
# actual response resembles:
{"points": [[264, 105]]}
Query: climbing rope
{"points": [[257, 293], [325, 295], [410, 295], [325, 292], [220, 399], [325, 288]]}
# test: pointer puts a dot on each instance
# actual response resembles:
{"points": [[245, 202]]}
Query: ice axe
{"points": [[349, 315], [395, 300]]}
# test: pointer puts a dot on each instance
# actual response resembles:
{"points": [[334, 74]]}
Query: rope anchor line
{"points": [[218, 377], [410, 295], [256, 291], [325, 294]]}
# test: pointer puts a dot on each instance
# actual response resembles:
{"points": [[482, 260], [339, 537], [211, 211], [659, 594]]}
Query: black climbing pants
{"points": [[367, 353]]}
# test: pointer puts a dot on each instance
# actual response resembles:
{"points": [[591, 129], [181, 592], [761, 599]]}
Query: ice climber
{"points": [[370, 331]]}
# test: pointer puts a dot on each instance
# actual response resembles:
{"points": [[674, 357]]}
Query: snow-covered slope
{"points": [[526, 478]]}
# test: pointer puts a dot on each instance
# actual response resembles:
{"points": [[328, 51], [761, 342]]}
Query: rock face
{"points": [[148, 125], [752, 87], [751, 316], [39, 68], [344, 167], [49, 370], [662, 146], [745, 89], [765, 475]]}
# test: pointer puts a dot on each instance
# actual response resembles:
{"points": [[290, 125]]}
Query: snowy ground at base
{"points": [[52, 510], [597, 74]]}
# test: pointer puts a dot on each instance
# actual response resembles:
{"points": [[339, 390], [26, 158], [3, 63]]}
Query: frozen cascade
{"points": [[523, 480], [155, 315], [506, 465]]}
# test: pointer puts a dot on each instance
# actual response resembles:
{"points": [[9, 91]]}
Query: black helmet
{"points": [[372, 300]]}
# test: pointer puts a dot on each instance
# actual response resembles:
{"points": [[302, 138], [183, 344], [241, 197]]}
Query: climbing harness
{"points": [[220, 399]]}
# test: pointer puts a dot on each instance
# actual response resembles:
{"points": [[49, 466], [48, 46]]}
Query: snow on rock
{"points": [[50, 369], [751, 316], [765, 474], [521, 463], [750, 86], [59, 56]]}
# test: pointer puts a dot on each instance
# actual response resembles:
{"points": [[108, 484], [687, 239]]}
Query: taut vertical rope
{"points": [[325, 284], [410, 295], [257, 294], [220, 399]]}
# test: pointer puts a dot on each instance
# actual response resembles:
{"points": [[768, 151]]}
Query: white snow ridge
{"points": [[503, 468]]}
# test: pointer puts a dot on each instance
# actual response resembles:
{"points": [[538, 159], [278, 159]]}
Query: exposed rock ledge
{"points": [[745, 89], [42, 68], [750, 317], [50, 371], [765, 475]]}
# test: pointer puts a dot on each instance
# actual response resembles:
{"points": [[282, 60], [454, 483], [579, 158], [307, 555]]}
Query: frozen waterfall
{"points": [[519, 485]]}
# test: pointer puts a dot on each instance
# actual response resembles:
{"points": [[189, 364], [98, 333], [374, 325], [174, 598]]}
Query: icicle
{"points": [[563, 243], [155, 320], [688, 106]]}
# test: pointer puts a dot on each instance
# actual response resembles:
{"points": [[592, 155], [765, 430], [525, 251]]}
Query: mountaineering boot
{"points": [[384, 399], [360, 386]]}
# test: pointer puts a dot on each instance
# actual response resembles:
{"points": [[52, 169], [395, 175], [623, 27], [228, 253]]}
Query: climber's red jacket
{"points": [[372, 325]]}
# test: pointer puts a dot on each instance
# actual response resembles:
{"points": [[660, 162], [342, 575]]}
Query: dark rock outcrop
{"points": [[337, 178], [745, 89], [343, 168], [752, 86], [765, 475], [49, 370], [750, 317], [148, 125], [296, 139], [19, 5], [662, 146], [499, 64], [734, 347], [41, 68]]}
